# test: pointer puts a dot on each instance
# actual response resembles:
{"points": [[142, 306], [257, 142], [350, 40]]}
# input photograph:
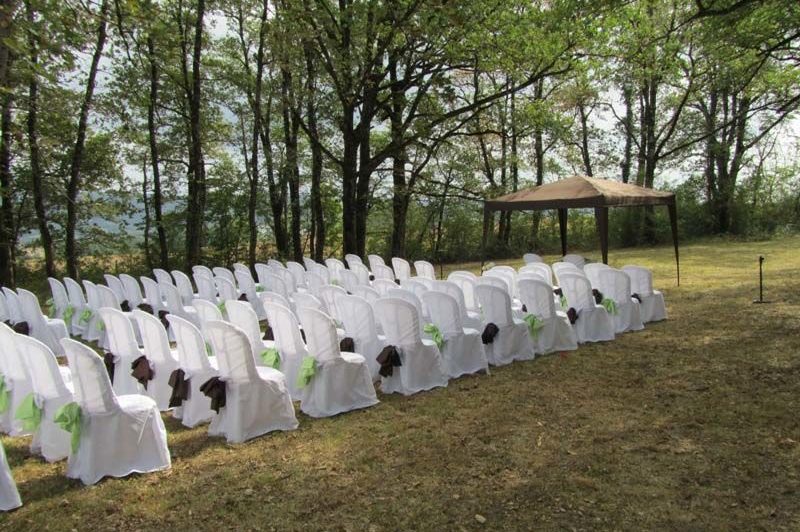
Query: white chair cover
{"points": [[247, 286], [315, 281], [322, 272], [262, 270], [358, 320], [113, 282], [402, 269], [50, 393], [206, 289], [298, 272], [78, 302], [17, 380], [152, 294], [308, 263], [425, 269], [577, 260], [198, 366], [565, 267], [366, 292], [328, 295], [541, 269], [122, 344], [348, 280], [9, 496], [463, 273], [653, 307], [383, 272], [594, 323], [274, 297], [556, 333], [133, 292], [162, 276], [335, 267], [4, 314], [469, 318], [306, 300], [121, 434], [60, 299], [422, 365], [184, 286], [206, 311], [411, 297], [616, 285], [362, 274], [175, 305], [288, 279], [275, 283], [342, 380], [275, 264], [530, 258], [467, 283], [91, 332], [512, 341], [463, 351], [14, 308], [242, 315], [162, 359], [352, 259], [257, 400], [288, 342], [382, 286], [226, 289], [202, 270], [375, 260], [46, 330], [225, 273]]}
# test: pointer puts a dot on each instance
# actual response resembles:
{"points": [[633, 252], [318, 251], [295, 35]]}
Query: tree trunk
{"points": [[275, 195], [538, 150], [146, 205], [7, 240], [585, 155], [252, 202], [291, 171], [195, 211], [318, 215], [74, 183], [37, 180], [627, 96], [400, 191], [152, 133]]}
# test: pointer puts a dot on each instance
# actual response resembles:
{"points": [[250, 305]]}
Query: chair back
{"points": [[357, 317], [206, 289], [241, 314], [323, 344], [496, 304], [116, 286], [152, 291], [399, 320], [352, 259], [162, 276], [425, 269], [641, 279], [191, 344], [444, 312], [93, 390], [577, 290], [46, 379], [184, 286], [234, 352], [133, 292], [285, 328], [75, 293], [402, 269], [366, 292], [60, 297], [530, 258], [154, 337], [537, 296]]}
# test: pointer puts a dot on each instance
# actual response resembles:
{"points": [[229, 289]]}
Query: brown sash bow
{"points": [[180, 388], [268, 334], [347, 345], [598, 295], [22, 327], [108, 360], [389, 358], [558, 291], [637, 297], [371, 277], [125, 306], [162, 315], [524, 308], [572, 314], [141, 371], [489, 332], [146, 307], [214, 388], [243, 297]]}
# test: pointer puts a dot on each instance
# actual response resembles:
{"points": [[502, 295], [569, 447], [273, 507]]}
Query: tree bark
{"points": [[627, 96], [37, 180], [75, 182], [7, 239], [317, 214], [146, 205], [152, 131], [291, 171]]}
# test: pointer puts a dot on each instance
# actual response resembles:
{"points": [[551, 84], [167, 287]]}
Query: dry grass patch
{"points": [[690, 424]]}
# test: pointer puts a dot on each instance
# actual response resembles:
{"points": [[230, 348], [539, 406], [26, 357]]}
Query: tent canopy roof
{"points": [[580, 192]]}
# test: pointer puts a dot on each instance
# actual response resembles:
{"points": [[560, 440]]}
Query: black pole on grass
{"points": [[760, 299]]}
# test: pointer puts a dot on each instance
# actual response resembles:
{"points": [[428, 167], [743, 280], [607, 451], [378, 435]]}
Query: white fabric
{"points": [[328, 295], [358, 320], [425, 269], [565, 267], [175, 305], [198, 367], [152, 294], [463, 351], [50, 393], [288, 342], [242, 315], [422, 365], [470, 320], [335, 268], [275, 264], [402, 269], [592, 272], [60, 299], [342, 381], [9, 496], [133, 292], [48, 331], [206, 311], [530, 258], [120, 435], [513, 342], [543, 270], [411, 297], [184, 286], [616, 285], [367, 292], [206, 289], [275, 283], [92, 333], [78, 302], [556, 333], [322, 272], [375, 260], [4, 314], [224, 273], [348, 280], [653, 307], [202, 270], [257, 400], [226, 288], [382, 286], [113, 282], [577, 260], [274, 297], [288, 279], [298, 272], [14, 308], [466, 282], [162, 276], [163, 361], [352, 259], [122, 344], [306, 300], [383, 272], [247, 286], [315, 281], [308, 262], [594, 323], [18, 382], [362, 273]]}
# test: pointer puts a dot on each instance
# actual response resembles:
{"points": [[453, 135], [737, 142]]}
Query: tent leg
{"points": [[486, 213], [601, 218], [562, 226], [673, 222]]}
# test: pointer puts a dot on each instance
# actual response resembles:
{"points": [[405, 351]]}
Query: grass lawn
{"points": [[689, 424]]}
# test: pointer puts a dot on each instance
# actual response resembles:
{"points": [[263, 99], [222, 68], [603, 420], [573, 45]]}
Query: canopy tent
{"points": [[582, 192]]}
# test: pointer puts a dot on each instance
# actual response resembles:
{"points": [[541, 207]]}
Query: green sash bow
{"points": [[307, 370], [270, 357], [610, 306], [51, 308], [100, 325], [221, 306], [534, 325], [86, 315], [260, 289], [4, 395], [563, 300], [209, 351], [435, 333], [69, 312], [29, 413], [68, 417]]}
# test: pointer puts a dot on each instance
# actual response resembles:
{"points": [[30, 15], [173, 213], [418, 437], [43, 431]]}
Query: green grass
{"points": [[690, 424]]}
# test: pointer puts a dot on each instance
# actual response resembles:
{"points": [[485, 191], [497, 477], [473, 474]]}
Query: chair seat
{"points": [[270, 374], [353, 358], [133, 403]]}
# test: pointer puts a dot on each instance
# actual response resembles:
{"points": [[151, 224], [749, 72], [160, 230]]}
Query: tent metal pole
{"points": [[562, 226], [673, 222], [601, 218], [485, 234]]}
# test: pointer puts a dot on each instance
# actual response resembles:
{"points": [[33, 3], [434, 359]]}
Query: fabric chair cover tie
{"points": [[610, 305], [180, 388], [572, 314], [561, 297], [598, 296], [388, 359], [637, 297], [68, 417], [22, 327], [125, 306], [269, 335], [30, 413], [85, 316], [146, 307], [347, 344], [489, 332], [109, 359], [524, 308], [307, 370], [4, 395], [214, 388], [534, 325], [141, 371], [50, 305], [162, 315], [243, 297], [271, 357], [435, 334], [69, 312]]}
